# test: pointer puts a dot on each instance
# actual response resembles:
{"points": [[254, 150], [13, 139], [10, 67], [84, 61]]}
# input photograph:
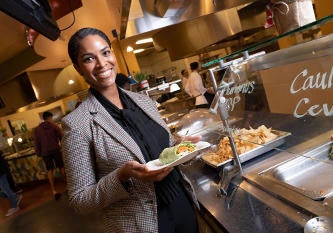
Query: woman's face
{"points": [[96, 62]]}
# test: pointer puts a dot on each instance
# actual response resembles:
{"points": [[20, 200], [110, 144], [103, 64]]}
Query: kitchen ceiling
{"points": [[106, 15]]}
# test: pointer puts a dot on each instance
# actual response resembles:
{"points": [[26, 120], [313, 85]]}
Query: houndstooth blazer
{"points": [[94, 147]]}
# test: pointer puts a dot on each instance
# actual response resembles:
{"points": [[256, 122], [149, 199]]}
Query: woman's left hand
{"points": [[193, 139], [141, 172]]}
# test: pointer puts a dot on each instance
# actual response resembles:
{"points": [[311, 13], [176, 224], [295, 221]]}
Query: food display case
{"points": [[25, 166], [275, 113]]}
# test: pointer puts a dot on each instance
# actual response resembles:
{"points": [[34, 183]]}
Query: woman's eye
{"points": [[106, 52], [88, 59]]}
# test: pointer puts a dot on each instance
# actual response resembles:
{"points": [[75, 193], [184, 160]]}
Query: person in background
{"points": [[123, 81], [107, 142], [47, 145], [185, 76], [16, 189], [14, 199], [196, 87], [12, 184]]}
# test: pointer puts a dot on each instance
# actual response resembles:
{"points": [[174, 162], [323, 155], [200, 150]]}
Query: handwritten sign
{"points": [[302, 88]]}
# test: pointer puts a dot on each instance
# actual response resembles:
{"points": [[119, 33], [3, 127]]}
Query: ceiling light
{"points": [[129, 49], [70, 82], [138, 50], [146, 40]]}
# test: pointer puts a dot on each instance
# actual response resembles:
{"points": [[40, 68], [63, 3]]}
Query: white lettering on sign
{"points": [[313, 110], [304, 82], [246, 88], [231, 102]]}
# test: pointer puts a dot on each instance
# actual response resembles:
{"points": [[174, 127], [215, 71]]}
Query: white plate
{"points": [[157, 164]]}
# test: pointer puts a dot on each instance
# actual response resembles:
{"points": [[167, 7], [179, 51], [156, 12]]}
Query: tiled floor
{"points": [[41, 213]]}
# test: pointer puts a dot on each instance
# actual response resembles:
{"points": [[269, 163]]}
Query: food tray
{"points": [[261, 149]]}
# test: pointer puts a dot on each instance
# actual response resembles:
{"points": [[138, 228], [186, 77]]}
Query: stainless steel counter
{"points": [[258, 205]]}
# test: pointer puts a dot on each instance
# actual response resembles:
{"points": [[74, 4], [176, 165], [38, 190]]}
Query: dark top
{"points": [[47, 138], [151, 137]]}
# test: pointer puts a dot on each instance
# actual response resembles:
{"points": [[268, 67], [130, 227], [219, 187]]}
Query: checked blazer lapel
{"points": [[111, 127]]}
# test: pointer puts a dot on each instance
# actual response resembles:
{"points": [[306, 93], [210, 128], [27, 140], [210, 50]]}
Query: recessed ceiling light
{"points": [[70, 82], [129, 49], [146, 40]]}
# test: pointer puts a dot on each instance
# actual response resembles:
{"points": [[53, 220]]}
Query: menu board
{"points": [[302, 88]]}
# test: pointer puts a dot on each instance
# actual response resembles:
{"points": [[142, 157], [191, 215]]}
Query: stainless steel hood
{"points": [[156, 14], [185, 27], [183, 39]]}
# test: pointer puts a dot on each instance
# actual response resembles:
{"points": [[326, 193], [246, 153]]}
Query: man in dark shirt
{"points": [[47, 145]]}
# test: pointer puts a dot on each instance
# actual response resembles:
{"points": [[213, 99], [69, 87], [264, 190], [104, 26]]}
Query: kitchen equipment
{"points": [[319, 224], [298, 173]]}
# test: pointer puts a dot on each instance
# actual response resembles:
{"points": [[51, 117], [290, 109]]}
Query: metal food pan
{"points": [[261, 149]]}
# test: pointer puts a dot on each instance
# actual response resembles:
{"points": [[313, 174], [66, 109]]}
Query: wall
{"points": [[156, 62], [32, 117], [14, 95], [43, 81], [69, 81], [124, 58], [324, 8]]}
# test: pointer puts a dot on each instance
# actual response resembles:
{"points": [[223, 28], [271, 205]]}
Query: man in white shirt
{"points": [[196, 88]]}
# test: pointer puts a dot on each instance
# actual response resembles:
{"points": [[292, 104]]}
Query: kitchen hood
{"points": [[151, 15], [186, 27]]}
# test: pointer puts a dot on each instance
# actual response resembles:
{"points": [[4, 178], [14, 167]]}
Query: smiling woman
{"points": [[108, 141]]}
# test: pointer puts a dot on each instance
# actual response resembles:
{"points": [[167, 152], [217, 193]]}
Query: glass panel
{"points": [[305, 31], [279, 107]]}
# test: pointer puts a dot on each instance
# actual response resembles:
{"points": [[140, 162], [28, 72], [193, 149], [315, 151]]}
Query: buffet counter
{"points": [[26, 166], [251, 206]]}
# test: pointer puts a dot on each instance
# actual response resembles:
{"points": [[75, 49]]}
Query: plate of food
{"points": [[250, 143], [175, 155]]}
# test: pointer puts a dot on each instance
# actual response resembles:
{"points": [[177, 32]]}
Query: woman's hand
{"points": [[193, 139], [141, 172]]}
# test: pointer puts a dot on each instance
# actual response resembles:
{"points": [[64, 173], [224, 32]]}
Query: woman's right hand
{"points": [[141, 172]]}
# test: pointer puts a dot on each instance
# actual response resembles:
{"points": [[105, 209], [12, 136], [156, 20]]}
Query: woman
{"points": [[108, 140]]}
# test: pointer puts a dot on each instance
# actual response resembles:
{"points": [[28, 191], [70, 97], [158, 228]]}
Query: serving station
{"points": [[257, 201], [282, 184]]}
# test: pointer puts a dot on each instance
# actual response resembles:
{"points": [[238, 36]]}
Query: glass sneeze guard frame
{"points": [[259, 100], [263, 43]]}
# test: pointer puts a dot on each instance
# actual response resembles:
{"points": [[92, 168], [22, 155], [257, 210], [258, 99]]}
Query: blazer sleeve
{"points": [[86, 193]]}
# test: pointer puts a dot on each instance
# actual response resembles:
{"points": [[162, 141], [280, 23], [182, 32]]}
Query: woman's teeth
{"points": [[104, 74]]}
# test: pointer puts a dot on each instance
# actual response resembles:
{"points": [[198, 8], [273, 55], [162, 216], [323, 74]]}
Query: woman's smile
{"points": [[103, 74]]}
